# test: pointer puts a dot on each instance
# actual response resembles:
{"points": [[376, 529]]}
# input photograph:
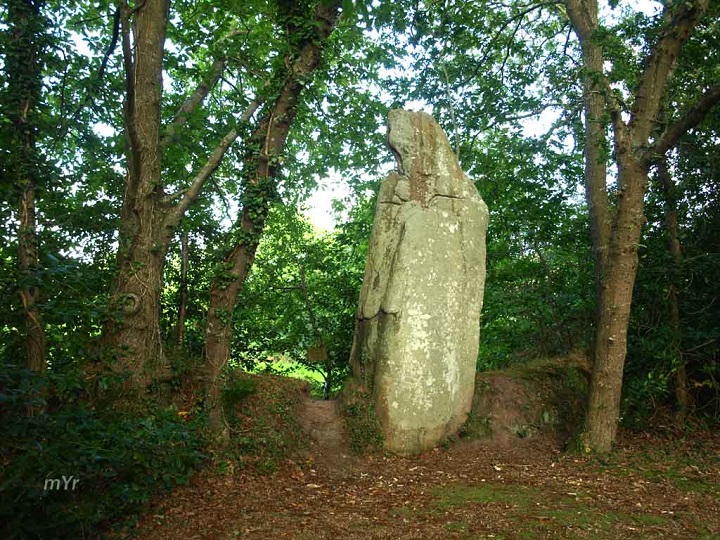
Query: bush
{"points": [[118, 462]]}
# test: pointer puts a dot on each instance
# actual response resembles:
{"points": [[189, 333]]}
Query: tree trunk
{"points": [[595, 140], [28, 265], [682, 394], [613, 315], [223, 298], [147, 220], [261, 170], [23, 64], [616, 271], [182, 304], [133, 334]]}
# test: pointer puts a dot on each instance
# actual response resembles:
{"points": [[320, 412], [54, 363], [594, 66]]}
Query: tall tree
{"points": [[136, 336], [25, 43], [183, 292], [617, 227], [308, 26], [672, 231], [148, 216]]}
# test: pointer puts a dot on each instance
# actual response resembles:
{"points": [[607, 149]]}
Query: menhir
{"points": [[418, 322]]}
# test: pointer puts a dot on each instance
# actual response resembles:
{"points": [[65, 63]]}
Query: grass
{"points": [[687, 469], [537, 513], [295, 370], [679, 479], [290, 368]]}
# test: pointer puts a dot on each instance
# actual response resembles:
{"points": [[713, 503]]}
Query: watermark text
{"points": [[61, 484]]}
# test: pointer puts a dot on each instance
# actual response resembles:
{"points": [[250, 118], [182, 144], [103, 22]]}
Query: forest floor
{"points": [[652, 486]]}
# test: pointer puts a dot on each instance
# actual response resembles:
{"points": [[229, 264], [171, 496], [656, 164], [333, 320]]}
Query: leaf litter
{"points": [[655, 485]]}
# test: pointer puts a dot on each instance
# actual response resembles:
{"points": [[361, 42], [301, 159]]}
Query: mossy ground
{"points": [[262, 415], [358, 412], [536, 513]]}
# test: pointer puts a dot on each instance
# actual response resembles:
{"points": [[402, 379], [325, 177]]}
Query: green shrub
{"points": [[118, 462]]}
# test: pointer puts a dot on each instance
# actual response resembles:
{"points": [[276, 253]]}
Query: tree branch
{"points": [[660, 66], [525, 115], [192, 103], [583, 20], [131, 135], [199, 95], [452, 111], [68, 122], [518, 17], [564, 118], [597, 98], [191, 193], [682, 125]]}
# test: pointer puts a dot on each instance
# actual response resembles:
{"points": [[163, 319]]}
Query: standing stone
{"points": [[418, 322]]}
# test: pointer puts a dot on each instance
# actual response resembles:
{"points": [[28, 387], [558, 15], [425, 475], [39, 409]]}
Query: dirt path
{"points": [[321, 421], [652, 487]]}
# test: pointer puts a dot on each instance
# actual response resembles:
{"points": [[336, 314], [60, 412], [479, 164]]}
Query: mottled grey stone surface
{"points": [[417, 330]]}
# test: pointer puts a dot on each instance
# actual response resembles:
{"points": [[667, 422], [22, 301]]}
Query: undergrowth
{"points": [[261, 412], [359, 412], [73, 471]]}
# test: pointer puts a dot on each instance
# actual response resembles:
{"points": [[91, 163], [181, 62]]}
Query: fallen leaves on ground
{"points": [[650, 487]]}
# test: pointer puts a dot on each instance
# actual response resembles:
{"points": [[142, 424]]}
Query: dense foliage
{"points": [[117, 461], [313, 282]]}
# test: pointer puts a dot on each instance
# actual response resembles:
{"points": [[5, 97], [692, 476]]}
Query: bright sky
{"points": [[318, 208]]}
